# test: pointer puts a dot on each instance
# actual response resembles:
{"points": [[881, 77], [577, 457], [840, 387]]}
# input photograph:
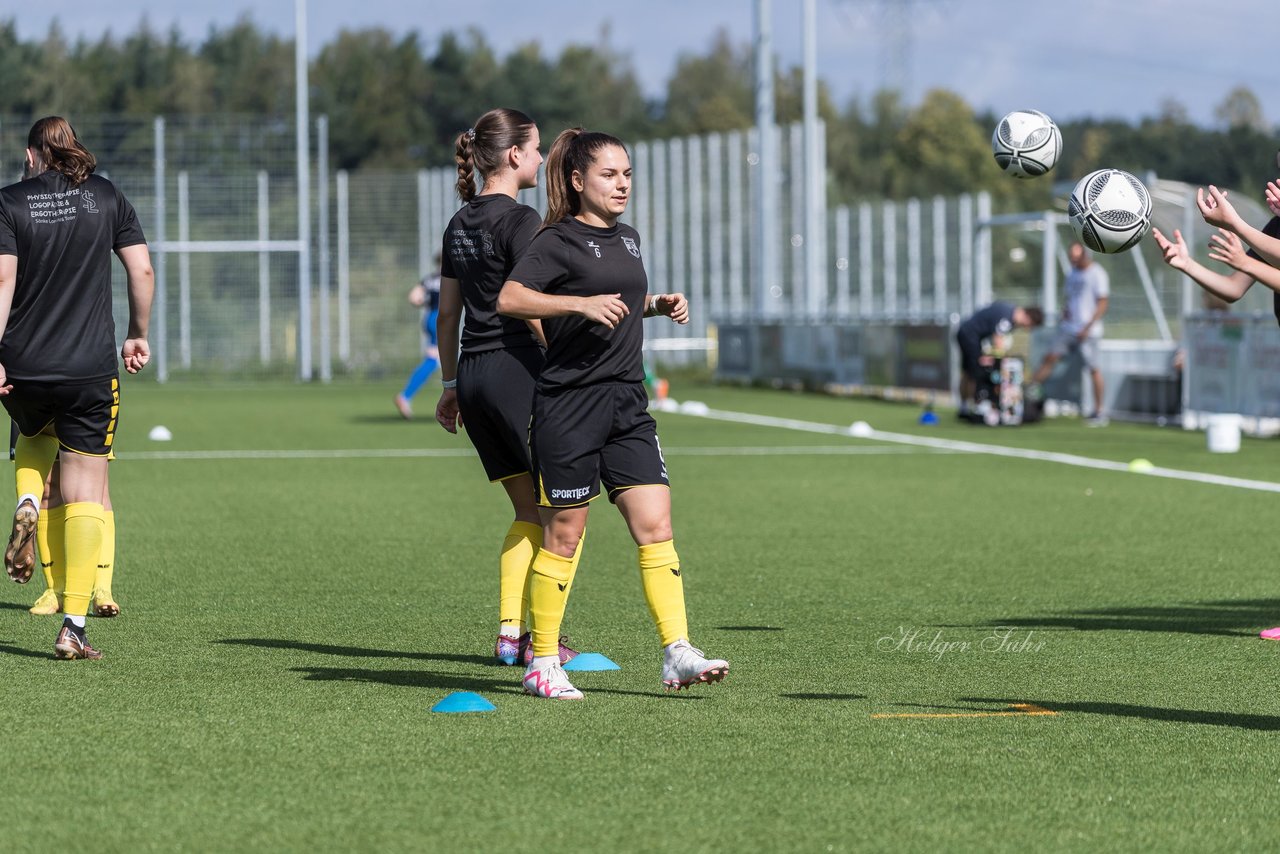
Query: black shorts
{"points": [[83, 416], [581, 437], [970, 353], [495, 397]]}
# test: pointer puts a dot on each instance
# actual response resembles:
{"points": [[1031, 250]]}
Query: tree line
{"points": [[398, 103]]}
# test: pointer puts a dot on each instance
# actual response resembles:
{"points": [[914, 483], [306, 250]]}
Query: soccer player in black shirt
{"points": [[58, 370], [491, 385], [1249, 265], [584, 277]]}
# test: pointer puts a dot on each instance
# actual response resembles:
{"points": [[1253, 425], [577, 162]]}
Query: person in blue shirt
{"points": [[426, 296]]}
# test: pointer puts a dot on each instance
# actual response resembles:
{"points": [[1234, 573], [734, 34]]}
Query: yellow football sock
{"points": [[573, 573], [57, 521], [84, 543], [664, 590], [33, 458], [107, 557], [549, 581], [42, 546], [518, 550]]}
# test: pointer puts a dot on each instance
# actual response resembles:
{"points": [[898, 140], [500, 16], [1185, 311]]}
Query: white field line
{"points": [[411, 453], [982, 448]]}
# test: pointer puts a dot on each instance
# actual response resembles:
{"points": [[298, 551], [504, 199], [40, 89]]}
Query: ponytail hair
{"points": [[55, 145], [482, 147], [573, 151]]}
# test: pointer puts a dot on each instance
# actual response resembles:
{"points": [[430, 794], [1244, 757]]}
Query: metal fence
{"points": [[218, 197]]}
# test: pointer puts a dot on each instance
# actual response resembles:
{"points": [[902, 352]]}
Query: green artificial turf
{"points": [[288, 621]]}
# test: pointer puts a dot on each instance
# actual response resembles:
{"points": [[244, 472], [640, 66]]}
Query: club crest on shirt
{"points": [[631, 246], [90, 205], [593, 245]]}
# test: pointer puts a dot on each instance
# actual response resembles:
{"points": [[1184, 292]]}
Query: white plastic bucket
{"points": [[1224, 434]]}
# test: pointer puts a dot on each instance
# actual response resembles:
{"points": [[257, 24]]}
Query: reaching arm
{"points": [[515, 300], [1217, 210], [447, 321], [137, 267], [1226, 246], [1176, 255]]}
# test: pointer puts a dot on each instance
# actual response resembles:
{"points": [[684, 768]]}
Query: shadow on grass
{"points": [[1229, 618], [25, 653], [409, 679], [749, 628], [13, 606], [356, 651], [392, 417], [448, 681], [1152, 713], [823, 696]]}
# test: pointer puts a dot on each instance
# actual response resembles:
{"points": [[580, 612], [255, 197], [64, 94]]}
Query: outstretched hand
{"points": [[1215, 208], [1273, 197], [1226, 246], [674, 306], [1175, 251]]}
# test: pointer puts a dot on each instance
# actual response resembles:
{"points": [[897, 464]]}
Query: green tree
{"points": [[372, 87], [713, 92], [1241, 109], [248, 71]]}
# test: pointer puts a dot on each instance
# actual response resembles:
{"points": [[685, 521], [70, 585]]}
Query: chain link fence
{"points": [[224, 238]]}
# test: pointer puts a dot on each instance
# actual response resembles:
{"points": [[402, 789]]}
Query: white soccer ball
{"points": [[1110, 211], [1026, 143]]}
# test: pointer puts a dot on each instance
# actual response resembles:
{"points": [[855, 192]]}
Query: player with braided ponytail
{"points": [[489, 388]]}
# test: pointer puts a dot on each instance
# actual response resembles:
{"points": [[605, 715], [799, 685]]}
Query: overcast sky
{"points": [[1102, 58]]}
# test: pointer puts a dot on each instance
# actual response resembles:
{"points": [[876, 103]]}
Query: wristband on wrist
{"points": [[453, 383]]}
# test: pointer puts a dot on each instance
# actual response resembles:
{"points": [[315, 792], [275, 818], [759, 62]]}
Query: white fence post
{"points": [[344, 268], [264, 269], [322, 225], [160, 323], [184, 270]]}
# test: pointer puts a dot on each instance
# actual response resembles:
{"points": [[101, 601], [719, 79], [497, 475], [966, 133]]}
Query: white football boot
{"points": [[550, 682], [684, 665]]}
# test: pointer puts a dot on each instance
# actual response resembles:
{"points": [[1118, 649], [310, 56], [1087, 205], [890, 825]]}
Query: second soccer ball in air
{"points": [[1110, 210], [1026, 143]]}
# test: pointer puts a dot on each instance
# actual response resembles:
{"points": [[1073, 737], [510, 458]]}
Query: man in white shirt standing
{"points": [[1088, 290]]}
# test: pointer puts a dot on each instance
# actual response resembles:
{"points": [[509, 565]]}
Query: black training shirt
{"points": [[571, 258], [985, 322], [1271, 229], [60, 325], [481, 245]]}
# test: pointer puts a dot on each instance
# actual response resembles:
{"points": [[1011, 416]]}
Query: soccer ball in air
{"points": [[1026, 143], [1110, 210]]}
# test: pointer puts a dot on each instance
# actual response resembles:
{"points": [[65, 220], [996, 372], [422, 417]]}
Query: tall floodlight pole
{"points": [[302, 119], [815, 231], [766, 214]]}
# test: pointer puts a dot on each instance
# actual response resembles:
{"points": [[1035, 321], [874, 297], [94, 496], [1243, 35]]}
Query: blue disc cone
{"points": [[928, 417], [464, 701], [590, 661]]}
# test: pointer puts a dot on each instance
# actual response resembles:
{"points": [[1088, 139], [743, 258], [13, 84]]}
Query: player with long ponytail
{"points": [[490, 385], [584, 278]]}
